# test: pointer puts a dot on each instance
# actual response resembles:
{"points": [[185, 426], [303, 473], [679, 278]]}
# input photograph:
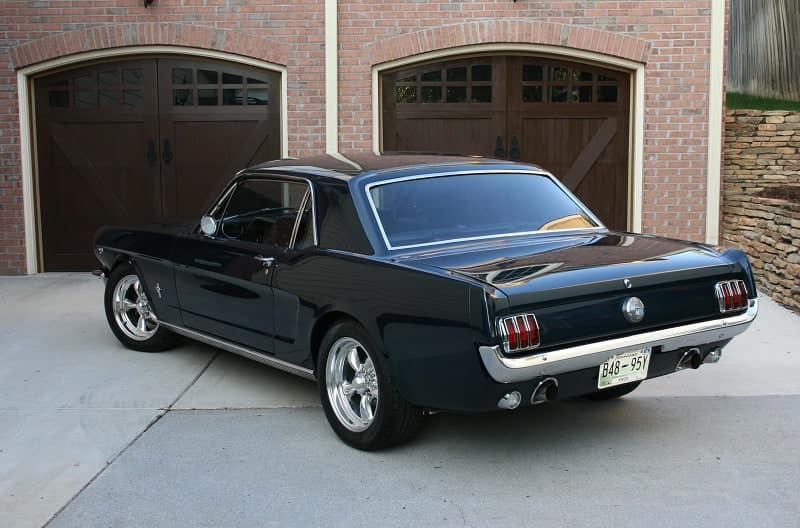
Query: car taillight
{"points": [[519, 332], [732, 295]]}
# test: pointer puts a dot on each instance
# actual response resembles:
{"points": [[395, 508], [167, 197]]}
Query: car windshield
{"points": [[440, 209]]}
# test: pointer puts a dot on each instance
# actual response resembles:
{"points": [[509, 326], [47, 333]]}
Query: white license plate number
{"points": [[624, 368]]}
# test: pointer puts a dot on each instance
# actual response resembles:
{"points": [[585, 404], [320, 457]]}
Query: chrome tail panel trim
{"points": [[505, 369], [249, 353]]}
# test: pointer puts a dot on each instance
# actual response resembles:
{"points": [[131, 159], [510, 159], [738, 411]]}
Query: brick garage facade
{"points": [[761, 185], [671, 38], [289, 34]]}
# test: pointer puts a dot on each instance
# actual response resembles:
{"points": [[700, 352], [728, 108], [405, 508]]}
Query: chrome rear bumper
{"points": [[506, 369]]}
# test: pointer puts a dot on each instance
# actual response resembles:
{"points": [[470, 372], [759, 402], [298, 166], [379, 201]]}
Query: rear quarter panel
{"points": [[427, 324]]}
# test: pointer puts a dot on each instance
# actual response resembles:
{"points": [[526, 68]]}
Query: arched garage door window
{"points": [[144, 140], [570, 118]]}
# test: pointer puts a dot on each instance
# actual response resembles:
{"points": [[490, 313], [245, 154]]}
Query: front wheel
{"points": [[613, 392], [361, 403], [130, 314]]}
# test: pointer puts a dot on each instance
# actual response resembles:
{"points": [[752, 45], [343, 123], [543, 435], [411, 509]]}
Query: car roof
{"points": [[345, 167]]}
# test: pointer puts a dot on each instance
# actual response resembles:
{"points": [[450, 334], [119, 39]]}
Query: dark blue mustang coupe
{"points": [[412, 283]]}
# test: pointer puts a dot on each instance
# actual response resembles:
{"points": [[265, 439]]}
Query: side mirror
{"points": [[208, 226]]}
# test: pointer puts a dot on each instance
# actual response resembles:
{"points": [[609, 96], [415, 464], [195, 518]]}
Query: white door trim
{"points": [[715, 124], [331, 77], [27, 119], [636, 69]]}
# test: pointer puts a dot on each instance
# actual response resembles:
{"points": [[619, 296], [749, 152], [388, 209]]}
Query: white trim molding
{"points": [[637, 150], [636, 69], [28, 188], [715, 124], [27, 118], [331, 77]]}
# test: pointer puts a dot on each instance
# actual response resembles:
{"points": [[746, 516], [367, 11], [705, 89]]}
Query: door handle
{"points": [[499, 149], [514, 154], [265, 261], [152, 156], [167, 155]]}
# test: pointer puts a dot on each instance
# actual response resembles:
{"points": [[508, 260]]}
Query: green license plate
{"points": [[624, 368]]}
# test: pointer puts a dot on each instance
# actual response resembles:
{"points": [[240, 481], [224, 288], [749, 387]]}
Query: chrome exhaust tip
{"points": [[546, 390], [690, 359], [714, 355]]}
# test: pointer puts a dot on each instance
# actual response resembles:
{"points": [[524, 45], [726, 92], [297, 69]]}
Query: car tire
{"points": [[130, 316], [360, 400], [613, 393]]}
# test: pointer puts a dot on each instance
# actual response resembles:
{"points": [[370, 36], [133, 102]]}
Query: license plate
{"points": [[624, 368]]}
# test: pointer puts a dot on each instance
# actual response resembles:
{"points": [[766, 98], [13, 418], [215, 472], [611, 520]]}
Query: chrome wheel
{"points": [[352, 384], [132, 311]]}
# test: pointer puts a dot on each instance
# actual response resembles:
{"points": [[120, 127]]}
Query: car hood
{"points": [[599, 261]]}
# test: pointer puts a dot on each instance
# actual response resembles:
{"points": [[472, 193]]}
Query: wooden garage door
{"points": [[570, 118], [142, 141]]}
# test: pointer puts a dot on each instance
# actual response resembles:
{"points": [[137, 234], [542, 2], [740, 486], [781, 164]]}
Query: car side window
{"points": [[263, 212]]}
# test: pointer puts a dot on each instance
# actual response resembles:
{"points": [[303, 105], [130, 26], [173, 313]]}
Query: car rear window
{"points": [[441, 209]]}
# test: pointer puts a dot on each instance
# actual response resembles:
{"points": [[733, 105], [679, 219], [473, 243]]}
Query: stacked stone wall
{"points": [[761, 197]]}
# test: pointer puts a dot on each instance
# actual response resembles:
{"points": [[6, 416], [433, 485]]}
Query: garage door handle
{"points": [[514, 154], [152, 156], [167, 154], [499, 149]]}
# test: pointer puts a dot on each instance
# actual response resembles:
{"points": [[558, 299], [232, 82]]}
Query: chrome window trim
{"points": [[223, 200], [243, 177], [218, 203], [507, 369], [570, 195], [299, 219]]}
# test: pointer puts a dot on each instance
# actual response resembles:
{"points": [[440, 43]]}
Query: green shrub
{"points": [[751, 102]]}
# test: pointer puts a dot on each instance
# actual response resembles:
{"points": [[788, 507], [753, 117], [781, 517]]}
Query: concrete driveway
{"points": [[92, 434]]}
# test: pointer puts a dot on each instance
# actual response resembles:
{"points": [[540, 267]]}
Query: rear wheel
{"points": [[361, 403], [614, 392], [130, 314]]}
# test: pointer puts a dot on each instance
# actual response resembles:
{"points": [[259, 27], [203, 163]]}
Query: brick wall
{"points": [[671, 35], [35, 30], [761, 197], [677, 73]]}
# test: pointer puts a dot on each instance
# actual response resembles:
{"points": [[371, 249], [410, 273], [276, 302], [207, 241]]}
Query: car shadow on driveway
{"points": [[575, 423]]}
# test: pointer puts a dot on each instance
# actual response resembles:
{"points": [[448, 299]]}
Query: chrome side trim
{"points": [[570, 195], [243, 351], [513, 369]]}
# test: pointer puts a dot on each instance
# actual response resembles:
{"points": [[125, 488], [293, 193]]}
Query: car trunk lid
{"points": [[576, 284]]}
